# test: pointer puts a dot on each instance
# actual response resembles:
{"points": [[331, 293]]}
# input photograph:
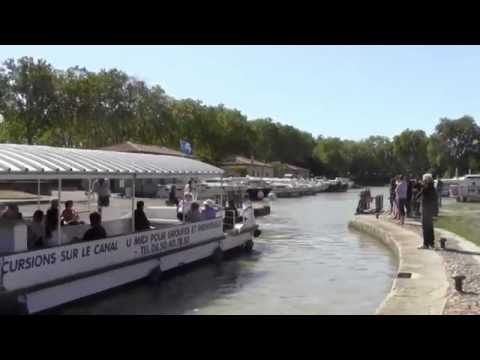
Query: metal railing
{"points": [[234, 217]]}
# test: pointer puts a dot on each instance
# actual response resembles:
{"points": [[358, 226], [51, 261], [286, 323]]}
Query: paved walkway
{"points": [[460, 257], [425, 292]]}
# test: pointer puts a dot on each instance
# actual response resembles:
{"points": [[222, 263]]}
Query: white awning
{"points": [[47, 162]]}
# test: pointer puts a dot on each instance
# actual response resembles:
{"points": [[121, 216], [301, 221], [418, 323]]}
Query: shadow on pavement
{"points": [[468, 293], [462, 251]]}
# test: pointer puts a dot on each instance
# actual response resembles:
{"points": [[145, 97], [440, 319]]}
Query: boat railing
{"points": [[235, 217]]}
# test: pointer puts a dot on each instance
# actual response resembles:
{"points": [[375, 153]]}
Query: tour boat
{"points": [[33, 280]]}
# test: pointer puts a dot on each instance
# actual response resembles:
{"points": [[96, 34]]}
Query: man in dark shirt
{"points": [[96, 230], [429, 207], [51, 219], [172, 195], [141, 221]]}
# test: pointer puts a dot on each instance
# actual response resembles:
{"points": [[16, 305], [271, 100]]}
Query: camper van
{"points": [[469, 188]]}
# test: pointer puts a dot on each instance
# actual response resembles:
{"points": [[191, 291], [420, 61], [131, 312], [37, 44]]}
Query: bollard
{"points": [[443, 241], [459, 282], [378, 203]]}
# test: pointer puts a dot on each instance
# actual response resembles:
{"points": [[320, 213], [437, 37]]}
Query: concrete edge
{"points": [[395, 302], [390, 243]]}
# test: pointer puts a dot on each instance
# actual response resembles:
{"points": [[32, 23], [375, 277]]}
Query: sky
{"points": [[350, 92]]}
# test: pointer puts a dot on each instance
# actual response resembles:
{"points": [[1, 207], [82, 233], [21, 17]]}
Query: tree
{"points": [[267, 135], [333, 153], [410, 148], [28, 97], [461, 138], [438, 156], [81, 108]]}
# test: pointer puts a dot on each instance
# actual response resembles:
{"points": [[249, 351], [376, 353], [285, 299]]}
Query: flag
{"points": [[185, 147]]}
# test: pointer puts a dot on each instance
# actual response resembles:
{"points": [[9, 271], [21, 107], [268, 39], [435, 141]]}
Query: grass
{"points": [[460, 218]]}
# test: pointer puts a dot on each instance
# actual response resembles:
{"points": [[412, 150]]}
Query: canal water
{"points": [[306, 261]]}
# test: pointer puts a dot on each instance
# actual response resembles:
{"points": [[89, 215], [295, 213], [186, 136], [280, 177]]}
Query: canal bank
{"points": [[460, 257], [421, 285]]}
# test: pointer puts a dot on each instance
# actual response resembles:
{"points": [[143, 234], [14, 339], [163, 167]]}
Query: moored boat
{"points": [[66, 269], [337, 185]]}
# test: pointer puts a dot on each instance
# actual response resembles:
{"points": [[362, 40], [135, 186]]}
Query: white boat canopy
{"points": [[47, 162]]}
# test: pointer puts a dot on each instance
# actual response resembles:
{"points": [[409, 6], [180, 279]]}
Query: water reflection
{"points": [[306, 262]]}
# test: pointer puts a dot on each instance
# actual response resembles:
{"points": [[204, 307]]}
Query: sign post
{"points": [[1, 273], [186, 147]]}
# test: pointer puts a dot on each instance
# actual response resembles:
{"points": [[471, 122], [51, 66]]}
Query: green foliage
{"points": [[461, 141], [80, 108], [438, 157], [410, 149], [28, 96], [334, 153]]}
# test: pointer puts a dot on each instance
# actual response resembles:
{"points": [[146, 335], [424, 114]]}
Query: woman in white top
{"points": [[184, 206], [190, 189]]}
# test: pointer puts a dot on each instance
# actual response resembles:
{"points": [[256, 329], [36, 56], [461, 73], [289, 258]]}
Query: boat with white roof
{"points": [[36, 279]]}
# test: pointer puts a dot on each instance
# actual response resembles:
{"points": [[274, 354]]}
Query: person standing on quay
{"points": [[429, 200], [396, 211], [402, 198], [409, 196], [393, 185], [417, 188]]}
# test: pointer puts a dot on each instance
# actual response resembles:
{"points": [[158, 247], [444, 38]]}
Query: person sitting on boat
{"points": [[141, 221], [194, 214], [70, 215], [51, 219], [209, 212], [12, 213], [96, 230], [172, 195], [36, 231], [184, 205]]}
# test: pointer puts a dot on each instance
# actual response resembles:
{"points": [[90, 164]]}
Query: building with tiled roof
{"points": [[239, 165]]}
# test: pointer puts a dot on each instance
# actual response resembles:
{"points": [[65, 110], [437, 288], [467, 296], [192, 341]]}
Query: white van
{"points": [[469, 188]]}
